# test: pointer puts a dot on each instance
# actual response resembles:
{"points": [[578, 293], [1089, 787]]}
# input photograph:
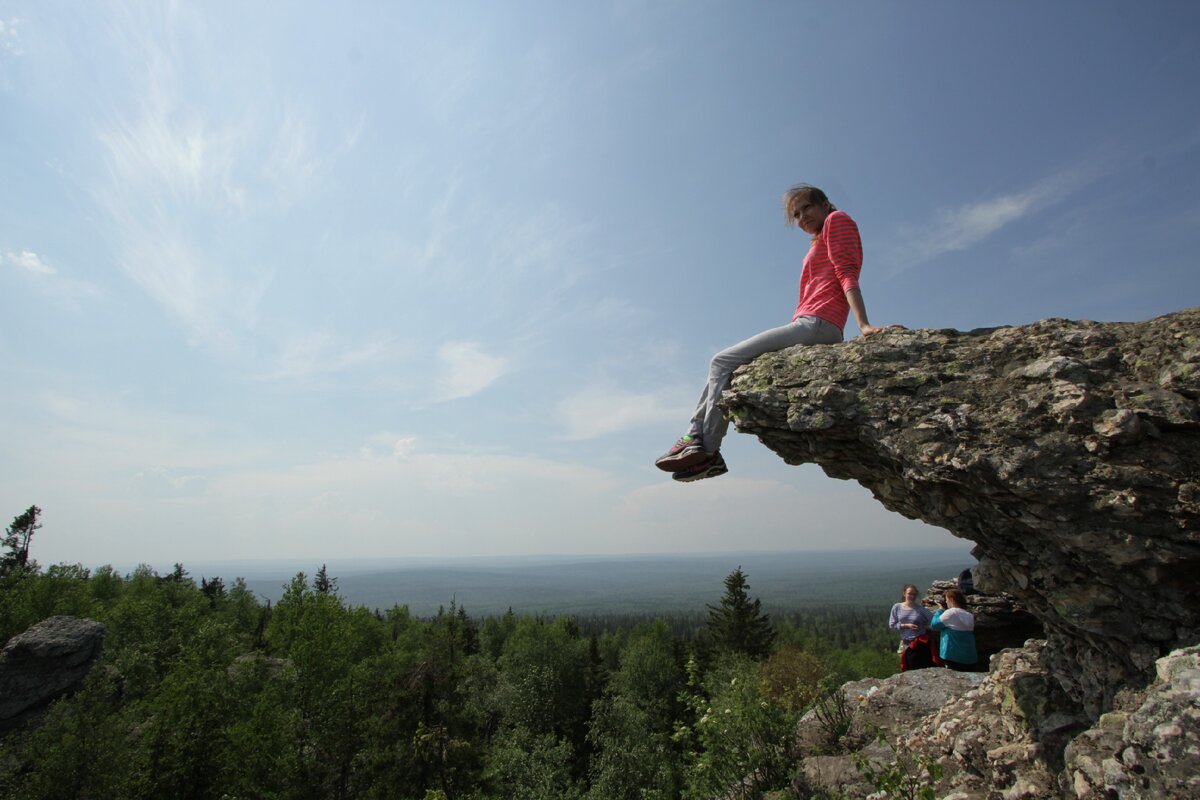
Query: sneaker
{"points": [[687, 452], [711, 467]]}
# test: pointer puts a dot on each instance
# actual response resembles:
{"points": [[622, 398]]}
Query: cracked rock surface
{"points": [[1068, 451]]}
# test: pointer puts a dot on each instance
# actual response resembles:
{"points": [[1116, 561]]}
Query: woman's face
{"points": [[811, 216], [910, 595]]}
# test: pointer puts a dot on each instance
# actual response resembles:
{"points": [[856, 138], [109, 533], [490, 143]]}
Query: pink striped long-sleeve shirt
{"points": [[830, 270]]}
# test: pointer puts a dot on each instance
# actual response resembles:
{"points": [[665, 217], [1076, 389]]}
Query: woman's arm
{"points": [[894, 619], [859, 307], [936, 623], [855, 299]]}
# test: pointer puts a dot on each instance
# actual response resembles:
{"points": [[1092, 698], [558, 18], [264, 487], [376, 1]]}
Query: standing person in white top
{"points": [[957, 628]]}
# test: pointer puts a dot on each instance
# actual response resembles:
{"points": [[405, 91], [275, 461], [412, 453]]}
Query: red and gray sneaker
{"points": [[710, 467], [687, 452]]}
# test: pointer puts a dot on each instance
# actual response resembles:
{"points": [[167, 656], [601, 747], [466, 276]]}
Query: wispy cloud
{"points": [[321, 353], [599, 411], [185, 177], [47, 278], [464, 369], [10, 37], [957, 229], [170, 175], [29, 261]]}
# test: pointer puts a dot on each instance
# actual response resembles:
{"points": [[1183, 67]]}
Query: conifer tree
{"points": [[738, 624], [17, 538], [323, 584]]}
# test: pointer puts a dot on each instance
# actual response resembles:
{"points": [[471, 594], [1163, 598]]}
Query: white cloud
{"points": [[185, 178], [956, 229], [385, 442], [320, 353], [10, 37], [599, 411], [465, 370], [28, 261], [292, 159], [48, 279]]}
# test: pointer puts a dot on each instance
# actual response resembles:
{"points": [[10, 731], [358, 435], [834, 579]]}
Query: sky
{"points": [[380, 280]]}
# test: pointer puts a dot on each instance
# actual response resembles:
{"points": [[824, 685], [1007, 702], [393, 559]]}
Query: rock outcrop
{"points": [[1015, 735], [42, 664], [1149, 746], [1069, 452]]}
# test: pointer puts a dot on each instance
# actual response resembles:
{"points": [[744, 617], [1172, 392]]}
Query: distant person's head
{"points": [[955, 599], [910, 593], [806, 207]]}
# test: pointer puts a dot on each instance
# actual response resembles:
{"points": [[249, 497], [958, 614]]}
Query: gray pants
{"points": [[709, 423]]}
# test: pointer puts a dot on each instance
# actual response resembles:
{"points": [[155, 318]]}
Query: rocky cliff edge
{"points": [[1069, 452]]}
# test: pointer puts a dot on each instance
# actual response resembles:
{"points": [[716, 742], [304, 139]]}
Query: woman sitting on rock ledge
{"points": [[828, 293]]}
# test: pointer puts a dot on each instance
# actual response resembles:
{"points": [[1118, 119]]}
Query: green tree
{"points": [[631, 728], [323, 584], [530, 766], [791, 677], [741, 741], [738, 625], [17, 538]]}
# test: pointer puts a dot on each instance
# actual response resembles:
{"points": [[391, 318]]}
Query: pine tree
{"points": [[17, 539], [737, 624], [323, 584]]}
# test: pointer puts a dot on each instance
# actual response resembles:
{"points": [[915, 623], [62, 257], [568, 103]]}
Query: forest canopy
{"points": [[203, 690]]}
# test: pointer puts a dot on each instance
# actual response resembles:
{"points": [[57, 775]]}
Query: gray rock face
{"points": [[1006, 737], [1015, 734], [1069, 452], [43, 663], [890, 707], [1151, 750]]}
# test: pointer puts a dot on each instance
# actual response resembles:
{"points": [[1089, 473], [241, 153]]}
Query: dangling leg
{"points": [[709, 422], [696, 454]]}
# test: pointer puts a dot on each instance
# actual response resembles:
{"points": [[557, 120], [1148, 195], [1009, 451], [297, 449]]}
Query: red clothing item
{"points": [[830, 270]]}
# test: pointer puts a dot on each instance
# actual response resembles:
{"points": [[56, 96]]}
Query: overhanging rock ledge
{"points": [[1068, 451]]}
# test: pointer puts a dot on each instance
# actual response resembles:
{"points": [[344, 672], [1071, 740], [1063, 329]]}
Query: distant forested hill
{"points": [[630, 585]]}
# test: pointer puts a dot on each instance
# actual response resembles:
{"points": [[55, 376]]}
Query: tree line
{"points": [[204, 691]]}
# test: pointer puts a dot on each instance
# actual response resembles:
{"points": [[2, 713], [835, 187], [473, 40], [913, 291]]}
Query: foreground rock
{"points": [[1150, 746], [1014, 734], [1068, 451], [889, 708], [42, 664]]}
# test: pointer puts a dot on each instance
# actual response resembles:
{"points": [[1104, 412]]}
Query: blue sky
{"points": [[300, 280]]}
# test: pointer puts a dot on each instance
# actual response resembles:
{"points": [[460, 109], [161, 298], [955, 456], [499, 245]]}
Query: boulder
{"points": [[48, 660]]}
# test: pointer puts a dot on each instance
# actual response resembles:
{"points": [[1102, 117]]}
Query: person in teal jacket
{"points": [[956, 626]]}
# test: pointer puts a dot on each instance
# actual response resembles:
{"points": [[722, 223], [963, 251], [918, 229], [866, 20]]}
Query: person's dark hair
{"points": [[904, 589], [800, 194], [956, 596]]}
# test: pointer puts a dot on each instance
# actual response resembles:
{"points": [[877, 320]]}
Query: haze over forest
{"points": [[647, 586]]}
